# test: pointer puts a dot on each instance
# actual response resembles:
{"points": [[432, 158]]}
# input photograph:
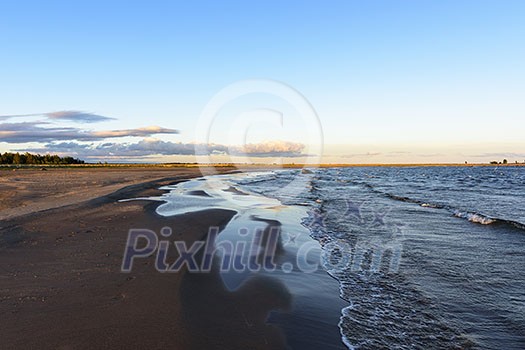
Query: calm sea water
{"points": [[434, 257], [460, 233]]}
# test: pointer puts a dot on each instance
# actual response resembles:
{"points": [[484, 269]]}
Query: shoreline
{"points": [[62, 286], [287, 295]]}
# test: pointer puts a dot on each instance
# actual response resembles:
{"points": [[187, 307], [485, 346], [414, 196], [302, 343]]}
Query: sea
{"points": [[378, 257]]}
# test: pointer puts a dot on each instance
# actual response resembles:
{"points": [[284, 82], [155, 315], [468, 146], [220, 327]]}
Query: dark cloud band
{"points": [[35, 132], [72, 116], [166, 148]]}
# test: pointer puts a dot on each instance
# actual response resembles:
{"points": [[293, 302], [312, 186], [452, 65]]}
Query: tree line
{"points": [[28, 158]]}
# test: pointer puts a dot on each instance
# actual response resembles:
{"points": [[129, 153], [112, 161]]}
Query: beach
{"points": [[361, 257], [62, 287], [62, 238]]}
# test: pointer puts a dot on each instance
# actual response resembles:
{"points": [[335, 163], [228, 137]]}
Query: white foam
{"points": [[476, 218], [345, 313]]}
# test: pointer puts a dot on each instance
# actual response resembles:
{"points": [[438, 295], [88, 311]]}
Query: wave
{"points": [[413, 201], [475, 217], [471, 216], [430, 205], [487, 220], [249, 178]]}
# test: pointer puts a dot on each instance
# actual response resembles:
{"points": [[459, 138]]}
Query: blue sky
{"points": [[391, 81]]}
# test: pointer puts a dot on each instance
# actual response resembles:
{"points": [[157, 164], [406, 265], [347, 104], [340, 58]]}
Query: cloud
{"points": [[399, 152], [83, 143], [142, 148], [140, 132], [367, 154], [5, 117], [35, 132], [431, 155], [73, 116], [149, 147], [76, 116], [269, 149]]}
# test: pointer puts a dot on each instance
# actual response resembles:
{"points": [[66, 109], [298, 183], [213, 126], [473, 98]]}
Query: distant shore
{"points": [[408, 165], [247, 166]]}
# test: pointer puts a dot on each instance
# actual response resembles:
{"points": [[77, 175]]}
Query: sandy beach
{"points": [[60, 261], [62, 239]]}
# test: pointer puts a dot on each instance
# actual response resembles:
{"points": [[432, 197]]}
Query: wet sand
{"points": [[62, 288]]}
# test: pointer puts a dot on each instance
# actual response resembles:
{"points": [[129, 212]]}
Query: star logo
{"points": [[315, 220], [353, 210], [379, 218], [397, 229], [290, 239]]}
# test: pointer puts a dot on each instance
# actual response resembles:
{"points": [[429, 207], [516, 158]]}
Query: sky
{"points": [[264, 81]]}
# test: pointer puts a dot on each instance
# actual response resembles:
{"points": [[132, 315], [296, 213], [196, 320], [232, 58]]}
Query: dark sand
{"points": [[61, 285]]}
